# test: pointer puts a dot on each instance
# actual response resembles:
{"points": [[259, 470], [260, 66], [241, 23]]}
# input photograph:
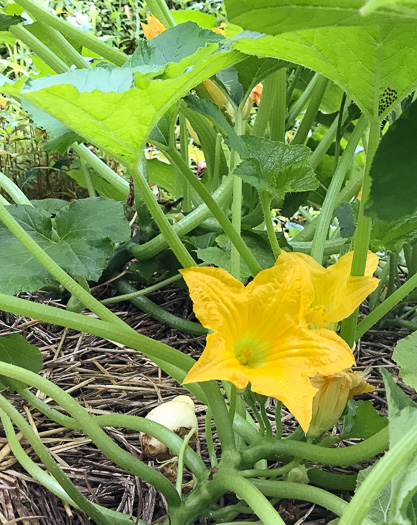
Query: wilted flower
{"points": [[334, 391]]}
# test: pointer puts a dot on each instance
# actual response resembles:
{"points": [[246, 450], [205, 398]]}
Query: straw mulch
{"points": [[108, 377]]}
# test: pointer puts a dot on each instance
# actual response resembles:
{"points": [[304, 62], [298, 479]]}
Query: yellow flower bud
{"points": [[333, 393]]}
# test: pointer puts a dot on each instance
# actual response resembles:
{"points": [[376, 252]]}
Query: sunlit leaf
{"points": [[405, 356], [15, 350]]}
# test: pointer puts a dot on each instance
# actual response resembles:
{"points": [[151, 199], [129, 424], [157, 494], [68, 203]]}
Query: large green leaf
{"points": [[394, 170], [15, 350], [80, 239], [277, 167], [375, 65], [281, 16], [111, 110], [405, 355]]}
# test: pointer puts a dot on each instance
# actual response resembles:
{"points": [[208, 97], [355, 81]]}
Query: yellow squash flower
{"points": [[259, 336], [337, 294], [334, 391], [153, 28]]}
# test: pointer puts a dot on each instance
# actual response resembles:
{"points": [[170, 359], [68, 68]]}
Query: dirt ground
{"points": [[108, 377]]}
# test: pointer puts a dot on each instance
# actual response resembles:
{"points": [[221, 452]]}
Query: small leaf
{"points": [[344, 215], [15, 350], [277, 167], [362, 422], [404, 355], [162, 174], [394, 168]]}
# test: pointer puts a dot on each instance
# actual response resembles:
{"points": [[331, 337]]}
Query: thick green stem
{"points": [[87, 178], [160, 10], [184, 446], [265, 107], [274, 449], [363, 230], [236, 202], [175, 158], [102, 169], [265, 198], [247, 491], [379, 476], [185, 225], [317, 95], [386, 306], [298, 106], [90, 42], [160, 219], [39, 48], [185, 192], [279, 105], [115, 518], [333, 192], [393, 273], [13, 191], [107, 446], [209, 438], [286, 489]]}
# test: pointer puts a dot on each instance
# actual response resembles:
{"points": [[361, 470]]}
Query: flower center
{"points": [[316, 316], [249, 351]]}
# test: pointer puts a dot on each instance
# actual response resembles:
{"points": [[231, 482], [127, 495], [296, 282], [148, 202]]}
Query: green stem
{"points": [[327, 140], [52, 267], [317, 95], [279, 105], [247, 491], [287, 489], [278, 422], [102, 169], [140, 293], [185, 225], [81, 501], [269, 473], [236, 202], [375, 295], [265, 198], [333, 192], [81, 37], [160, 219], [332, 481], [39, 48], [146, 305], [378, 477], [115, 518], [209, 438], [87, 178], [184, 446], [216, 166], [274, 449], [136, 423], [13, 191], [159, 9], [363, 229], [393, 272], [185, 192], [106, 445], [386, 306], [265, 107], [298, 106], [175, 158]]}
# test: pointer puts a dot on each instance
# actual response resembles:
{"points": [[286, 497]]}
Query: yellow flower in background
{"points": [[259, 336], [153, 28], [334, 391], [337, 294]]}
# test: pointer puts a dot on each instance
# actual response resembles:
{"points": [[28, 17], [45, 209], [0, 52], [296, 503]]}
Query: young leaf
{"points": [[393, 171], [81, 243], [375, 65], [15, 350], [405, 356], [277, 167], [282, 16], [362, 422]]}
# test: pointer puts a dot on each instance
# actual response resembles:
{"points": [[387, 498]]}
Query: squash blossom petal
{"points": [[259, 335], [337, 294], [334, 391], [153, 28]]}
